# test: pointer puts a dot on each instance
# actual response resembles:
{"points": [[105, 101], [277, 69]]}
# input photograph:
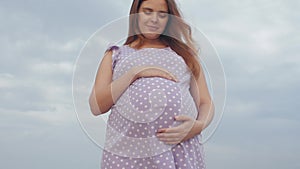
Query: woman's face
{"points": [[153, 18]]}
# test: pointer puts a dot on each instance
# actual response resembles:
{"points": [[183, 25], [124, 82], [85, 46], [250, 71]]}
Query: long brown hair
{"points": [[177, 35]]}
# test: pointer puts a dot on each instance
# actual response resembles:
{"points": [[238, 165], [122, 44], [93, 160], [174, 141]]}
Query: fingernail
{"points": [[160, 130]]}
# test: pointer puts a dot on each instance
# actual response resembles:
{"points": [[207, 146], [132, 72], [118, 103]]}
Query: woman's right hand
{"points": [[152, 71]]}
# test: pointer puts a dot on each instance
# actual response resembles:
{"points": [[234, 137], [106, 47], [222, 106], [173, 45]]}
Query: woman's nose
{"points": [[154, 17]]}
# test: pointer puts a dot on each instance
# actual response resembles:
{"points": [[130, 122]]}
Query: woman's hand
{"points": [[179, 133], [152, 71]]}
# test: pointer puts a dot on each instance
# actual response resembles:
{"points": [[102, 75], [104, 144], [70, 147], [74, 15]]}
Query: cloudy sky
{"points": [[257, 42]]}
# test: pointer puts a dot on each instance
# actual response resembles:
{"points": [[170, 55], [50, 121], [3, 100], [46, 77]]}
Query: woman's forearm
{"points": [[103, 97], [206, 113]]}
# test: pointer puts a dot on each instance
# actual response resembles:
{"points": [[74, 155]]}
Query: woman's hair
{"points": [[177, 35]]}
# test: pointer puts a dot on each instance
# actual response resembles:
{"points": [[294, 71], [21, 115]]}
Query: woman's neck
{"points": [[149, 43]]}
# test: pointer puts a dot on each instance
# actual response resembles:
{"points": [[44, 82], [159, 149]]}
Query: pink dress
{"points": [[147, 105]]}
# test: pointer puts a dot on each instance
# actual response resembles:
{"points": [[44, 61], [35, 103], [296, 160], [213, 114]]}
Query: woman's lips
{"points": [[152, 28]]}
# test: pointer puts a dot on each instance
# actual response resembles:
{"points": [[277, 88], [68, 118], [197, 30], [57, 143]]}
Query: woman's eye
{"points": [[147, 12], [162, 15]]}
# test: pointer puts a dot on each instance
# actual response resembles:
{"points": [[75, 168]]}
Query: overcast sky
{"points": [[257, 41]]}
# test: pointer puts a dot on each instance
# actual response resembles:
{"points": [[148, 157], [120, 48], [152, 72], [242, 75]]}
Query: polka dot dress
{"points": [[147, 105]]}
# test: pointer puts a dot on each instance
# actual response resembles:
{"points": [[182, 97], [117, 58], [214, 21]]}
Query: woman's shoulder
{"points": [[118, 52], [114, 47], [120, 49]]}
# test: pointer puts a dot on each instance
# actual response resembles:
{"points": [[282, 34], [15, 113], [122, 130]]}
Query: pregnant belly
{"points": [[146, 106], [149, 99]]}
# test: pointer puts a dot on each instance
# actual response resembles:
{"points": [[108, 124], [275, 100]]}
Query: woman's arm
{"points": [[202, 98], [106, 92]]}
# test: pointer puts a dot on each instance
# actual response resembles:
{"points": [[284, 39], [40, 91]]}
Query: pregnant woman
{"points": [[156, 90]]}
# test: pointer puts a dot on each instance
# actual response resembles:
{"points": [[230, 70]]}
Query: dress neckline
{"points": [[164, 48]]}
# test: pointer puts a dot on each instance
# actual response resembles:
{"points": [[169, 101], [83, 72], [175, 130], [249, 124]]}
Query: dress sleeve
{"points": [[115, 54]]}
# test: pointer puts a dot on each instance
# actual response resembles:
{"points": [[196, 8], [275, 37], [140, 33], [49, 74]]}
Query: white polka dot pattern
{"points": [[147, 105]]}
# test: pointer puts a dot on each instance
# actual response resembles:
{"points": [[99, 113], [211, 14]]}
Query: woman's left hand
{"points": [[177, 134]]}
